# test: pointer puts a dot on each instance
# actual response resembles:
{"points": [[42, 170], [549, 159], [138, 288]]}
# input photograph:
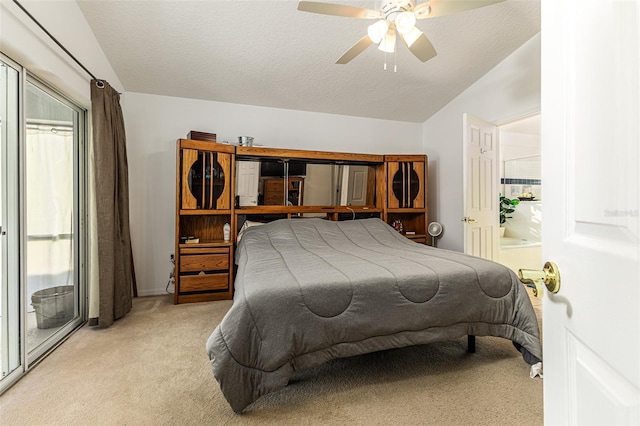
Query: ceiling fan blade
{"points": [[355, 50], [449, 7], [420, 46], [338, 10]]}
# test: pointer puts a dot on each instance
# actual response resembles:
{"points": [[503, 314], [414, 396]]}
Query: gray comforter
{"points": [[311, 290]]}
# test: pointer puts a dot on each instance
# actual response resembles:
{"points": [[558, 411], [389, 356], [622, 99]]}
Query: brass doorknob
{"points": [[468, 219], [549, 276]]}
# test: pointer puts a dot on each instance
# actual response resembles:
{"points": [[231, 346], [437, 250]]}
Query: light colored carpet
{"points": [[150, 368]]}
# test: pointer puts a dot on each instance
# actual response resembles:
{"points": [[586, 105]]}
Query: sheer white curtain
{"points": [[49, 203]]}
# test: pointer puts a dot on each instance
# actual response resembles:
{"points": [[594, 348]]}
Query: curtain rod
{"points": [[56, 41]]}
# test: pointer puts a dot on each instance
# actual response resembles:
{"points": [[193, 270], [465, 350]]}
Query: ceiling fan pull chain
{"points": [[395, 60]]}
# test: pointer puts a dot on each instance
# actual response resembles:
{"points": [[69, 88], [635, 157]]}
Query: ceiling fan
{"points": [[395, 16]]}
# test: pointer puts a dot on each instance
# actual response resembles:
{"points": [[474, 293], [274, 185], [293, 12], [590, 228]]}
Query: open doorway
{"points": [[520, 182], [520, 179]]}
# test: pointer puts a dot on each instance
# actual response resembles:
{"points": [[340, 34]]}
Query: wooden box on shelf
{"points": [[201, 136]]}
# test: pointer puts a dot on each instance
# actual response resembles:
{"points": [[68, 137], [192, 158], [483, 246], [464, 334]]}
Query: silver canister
{"points": [[245, 140]]}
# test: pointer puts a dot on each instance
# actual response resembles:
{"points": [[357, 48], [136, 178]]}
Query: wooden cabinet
{"points": [[204, 203], [406, 195], [274, 191]]}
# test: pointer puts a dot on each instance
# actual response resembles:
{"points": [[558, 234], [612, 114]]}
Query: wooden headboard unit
{"points": [[219, 183]]}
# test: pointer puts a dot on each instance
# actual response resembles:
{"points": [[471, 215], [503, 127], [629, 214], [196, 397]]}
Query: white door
{"points": [[481, 215], [247, 179], [590, 156], [357, 185]]}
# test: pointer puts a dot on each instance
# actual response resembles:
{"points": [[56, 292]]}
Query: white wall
{"points": [[519, 158], [518, 145], [510, 90], [154, 123], [24, 42]]}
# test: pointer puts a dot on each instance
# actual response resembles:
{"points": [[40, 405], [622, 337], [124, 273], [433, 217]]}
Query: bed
{"points": [[311, 290]]}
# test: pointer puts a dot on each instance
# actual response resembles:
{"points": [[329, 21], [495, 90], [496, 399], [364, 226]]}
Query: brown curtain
{"points": [[116, 276]]}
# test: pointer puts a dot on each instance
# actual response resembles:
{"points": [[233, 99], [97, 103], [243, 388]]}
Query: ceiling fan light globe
{"points": [[388, 43], [377, 31], [386, 48], [405, 22]]}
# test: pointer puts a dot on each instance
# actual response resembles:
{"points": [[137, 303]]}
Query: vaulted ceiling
{"points": [[267, 53]]}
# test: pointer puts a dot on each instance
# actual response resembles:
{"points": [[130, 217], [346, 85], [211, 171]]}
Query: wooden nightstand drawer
{"points": [[204, 262], [204, 282], [422, 239], [203, 250]]}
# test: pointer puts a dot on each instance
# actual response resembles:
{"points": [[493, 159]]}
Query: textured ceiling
{"points": [[267, 53]]}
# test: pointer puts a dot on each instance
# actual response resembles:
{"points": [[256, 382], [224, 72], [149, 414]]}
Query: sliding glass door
{"points": [[11, 359], [42, 297], [52, 201]]}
